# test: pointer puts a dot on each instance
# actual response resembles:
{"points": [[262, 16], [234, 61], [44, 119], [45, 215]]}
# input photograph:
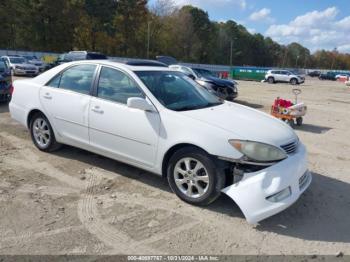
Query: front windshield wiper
{"points": [[187, 108]]}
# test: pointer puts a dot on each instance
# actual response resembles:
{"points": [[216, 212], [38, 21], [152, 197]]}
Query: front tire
{"points": [[271, 80], [193, 176], [42, 133], [294, 81]]}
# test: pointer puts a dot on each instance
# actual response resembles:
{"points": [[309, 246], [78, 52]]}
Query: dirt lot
{"points": [[75, 202]]}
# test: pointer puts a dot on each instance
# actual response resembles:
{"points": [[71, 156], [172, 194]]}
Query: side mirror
{"points": [[140, 103]]}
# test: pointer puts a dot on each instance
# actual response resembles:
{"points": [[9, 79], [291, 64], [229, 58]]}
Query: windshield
{"points": [[203, 72], [176, 91], [17, 60]]}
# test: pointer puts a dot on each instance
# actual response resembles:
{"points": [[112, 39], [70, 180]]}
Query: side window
{"points": [[116, 86], [55, 82], [78, 78]]}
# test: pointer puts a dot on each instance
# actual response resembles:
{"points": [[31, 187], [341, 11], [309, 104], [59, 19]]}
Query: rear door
{"points": [[66, 100]]}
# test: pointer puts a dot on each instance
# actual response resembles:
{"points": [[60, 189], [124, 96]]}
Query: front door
{"points": [[130, 135]]}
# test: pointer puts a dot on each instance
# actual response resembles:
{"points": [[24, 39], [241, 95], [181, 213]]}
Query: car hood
{"points": [[245, 123], [217, 81]]}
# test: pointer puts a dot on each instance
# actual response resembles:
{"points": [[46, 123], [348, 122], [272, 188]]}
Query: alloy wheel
{"points": [[191, 177], [41, 132]]}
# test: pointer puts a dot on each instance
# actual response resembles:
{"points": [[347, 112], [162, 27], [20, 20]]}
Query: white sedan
{"points": [[161, 121]]}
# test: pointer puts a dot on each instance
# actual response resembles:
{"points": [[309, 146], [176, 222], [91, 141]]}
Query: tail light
{"points": [[11, 89]]}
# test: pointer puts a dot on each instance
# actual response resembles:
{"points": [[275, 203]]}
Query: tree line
{"points": [[133, 28]]}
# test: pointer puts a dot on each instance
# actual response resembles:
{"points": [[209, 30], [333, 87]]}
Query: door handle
{"points": [[97, 110], [47, 96]]}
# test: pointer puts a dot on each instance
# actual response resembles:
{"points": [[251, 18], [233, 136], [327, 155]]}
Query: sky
{"points": [[316, 24]]}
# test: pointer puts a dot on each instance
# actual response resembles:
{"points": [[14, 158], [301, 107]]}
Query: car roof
{"points": [[122, 65], [145, 63]]}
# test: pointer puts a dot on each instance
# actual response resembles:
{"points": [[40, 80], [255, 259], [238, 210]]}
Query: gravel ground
{"points": [[75, 202]]}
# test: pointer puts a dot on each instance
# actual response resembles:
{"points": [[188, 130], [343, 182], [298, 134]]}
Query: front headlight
{"points": [[256, 151]]}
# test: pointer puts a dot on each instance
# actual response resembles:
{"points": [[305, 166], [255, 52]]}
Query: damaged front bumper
{"points": [[268, 191]]}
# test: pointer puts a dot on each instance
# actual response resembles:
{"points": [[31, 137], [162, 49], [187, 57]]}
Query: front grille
{"points": [[290, 148], [229, 91]]}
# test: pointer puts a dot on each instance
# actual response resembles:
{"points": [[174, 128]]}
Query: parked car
{"points": [[328, 76], [76, 56], [162, 121], [283, 76], [5, 82], [344, 76], [35, 61], [19, 66], [314, 73], [84, 55], [222, 88]]}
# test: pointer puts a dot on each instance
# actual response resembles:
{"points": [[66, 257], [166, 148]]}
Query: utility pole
{"points": [[148, 37]]}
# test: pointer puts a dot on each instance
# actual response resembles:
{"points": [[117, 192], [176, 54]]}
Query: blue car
{"points": [[5, 82]]}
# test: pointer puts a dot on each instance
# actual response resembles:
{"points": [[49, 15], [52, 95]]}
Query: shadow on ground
{"points": [[4, 107], [321, 214], [312, 128], [252, 105]]}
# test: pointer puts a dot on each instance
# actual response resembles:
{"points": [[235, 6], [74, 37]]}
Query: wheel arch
{"points": [[294, 78], [171, 152], [31, 114], [271, 77]]}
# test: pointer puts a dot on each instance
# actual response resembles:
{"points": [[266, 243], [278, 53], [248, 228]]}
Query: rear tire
{"points": [[271, 80], [42, 133], [194, 177]]}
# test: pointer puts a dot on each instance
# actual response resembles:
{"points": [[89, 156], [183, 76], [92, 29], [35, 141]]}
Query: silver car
{"points": [[33, 60], [280, 76], [20, 67]]}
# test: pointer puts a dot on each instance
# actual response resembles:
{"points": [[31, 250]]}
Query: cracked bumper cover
{"points": [[251, 193]]}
